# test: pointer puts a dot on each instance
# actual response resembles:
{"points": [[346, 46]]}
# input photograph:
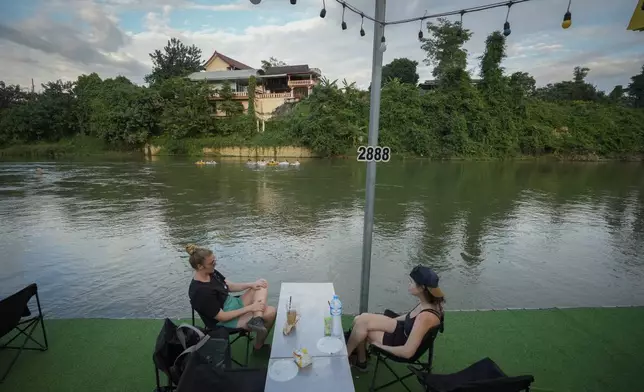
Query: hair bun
{"points": [[191, 248]]}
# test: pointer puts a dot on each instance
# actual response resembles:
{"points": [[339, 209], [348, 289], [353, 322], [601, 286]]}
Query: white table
{"points": [[328, 371]]}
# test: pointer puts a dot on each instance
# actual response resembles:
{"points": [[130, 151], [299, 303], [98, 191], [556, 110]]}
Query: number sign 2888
{"points": [[375, 154]]}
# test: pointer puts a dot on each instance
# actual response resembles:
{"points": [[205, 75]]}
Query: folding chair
{"points": [[426, 346], [175, 345], [12, 310], [482, 376], [240, 332]]}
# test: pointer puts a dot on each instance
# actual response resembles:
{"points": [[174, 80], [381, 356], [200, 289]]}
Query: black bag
{"points": [[203, 374], [175, 345]]}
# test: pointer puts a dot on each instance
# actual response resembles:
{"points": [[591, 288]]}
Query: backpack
{"points": [[175, 345]]}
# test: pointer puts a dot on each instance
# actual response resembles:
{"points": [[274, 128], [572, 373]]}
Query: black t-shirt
{"points": [[208, 298]]}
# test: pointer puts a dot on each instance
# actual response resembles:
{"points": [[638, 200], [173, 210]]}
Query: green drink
{"points": [[328, 322]]}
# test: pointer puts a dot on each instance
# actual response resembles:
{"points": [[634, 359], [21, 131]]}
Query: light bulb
{"points": [[255, 1], [344, 25], [293, 2], [506, 29], [362, 33], [567, 20], [322, 12], [420, 35], [383, 44]]}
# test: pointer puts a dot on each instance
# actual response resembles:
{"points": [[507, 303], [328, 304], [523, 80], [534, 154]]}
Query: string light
{"points": [[420, 32], [506, 26], [383, 41], [460, 27], [567, 20], [344, 24]]}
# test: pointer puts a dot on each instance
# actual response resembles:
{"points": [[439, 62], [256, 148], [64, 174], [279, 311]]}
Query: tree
{"points": [[11, 95], [579, 74], [523, 82], [87, 88], [185, 111], [636, 90], [403, 69], [272, 62], [176, 60], [252, 84], [228, 105], [576, 90], [617, 95], [491, 70], [444, 48]]}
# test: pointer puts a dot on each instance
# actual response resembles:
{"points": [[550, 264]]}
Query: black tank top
{"points": [[409, 321]]}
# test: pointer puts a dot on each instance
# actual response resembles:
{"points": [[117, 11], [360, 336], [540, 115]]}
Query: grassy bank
{"points": [[591, 349], [76, 146], [90, 146]]}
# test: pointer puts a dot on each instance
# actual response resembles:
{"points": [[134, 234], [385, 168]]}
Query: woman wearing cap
{"points": [[403, 335]]}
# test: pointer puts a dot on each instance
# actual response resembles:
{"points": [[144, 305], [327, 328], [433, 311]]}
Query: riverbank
{"points": [[586, 349], [223, 147]]}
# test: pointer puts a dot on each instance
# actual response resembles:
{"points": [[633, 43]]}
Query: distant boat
{"points": [[296, 163], [283, 163]]}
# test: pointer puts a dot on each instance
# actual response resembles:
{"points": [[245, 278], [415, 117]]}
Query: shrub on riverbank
{"points": [[500, 116]]}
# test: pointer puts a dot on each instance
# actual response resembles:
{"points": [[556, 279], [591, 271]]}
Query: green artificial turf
{"points": [[591, 349]]}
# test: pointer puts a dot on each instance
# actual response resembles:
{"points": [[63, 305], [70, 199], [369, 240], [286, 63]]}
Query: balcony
{"points": [[273, 95], [302, 83], [244, 95], [236, 95]]}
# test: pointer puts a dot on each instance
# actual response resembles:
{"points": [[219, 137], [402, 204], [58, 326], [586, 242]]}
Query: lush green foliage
{"points": [[403, 69], [272, 62], [499, 116], [176, 60]]}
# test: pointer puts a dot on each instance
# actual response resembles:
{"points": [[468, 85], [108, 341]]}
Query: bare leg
{"points": [[269, 321], [252, 296], [366, 324]]}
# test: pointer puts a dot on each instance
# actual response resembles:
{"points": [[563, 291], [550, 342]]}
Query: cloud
{"points": [[93, 46], [94, 41]]}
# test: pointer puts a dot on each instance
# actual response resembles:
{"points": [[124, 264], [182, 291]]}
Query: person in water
{"points": [[209, 294], [403, 335]]}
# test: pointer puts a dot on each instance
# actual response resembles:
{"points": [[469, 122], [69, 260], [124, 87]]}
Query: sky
{"points": [[62, 39]]}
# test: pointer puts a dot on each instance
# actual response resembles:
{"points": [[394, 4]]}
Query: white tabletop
{"points": [[312, 301], [324, 374]]}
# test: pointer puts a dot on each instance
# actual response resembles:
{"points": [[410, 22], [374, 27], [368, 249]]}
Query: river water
{"points": [[105, 238]]}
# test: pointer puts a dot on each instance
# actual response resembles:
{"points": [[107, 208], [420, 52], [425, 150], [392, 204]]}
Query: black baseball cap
{"points": [[425, 276]]}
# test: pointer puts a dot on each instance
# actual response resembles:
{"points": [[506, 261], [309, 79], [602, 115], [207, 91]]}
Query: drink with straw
{"points": [[291, 312]]}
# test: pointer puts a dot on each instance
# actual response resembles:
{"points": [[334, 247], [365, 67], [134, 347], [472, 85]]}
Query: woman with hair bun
{"points": [[209, 294]]}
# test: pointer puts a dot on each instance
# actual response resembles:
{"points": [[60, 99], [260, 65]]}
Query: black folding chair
{"points": [[482, 376], [426, 346], [15, 315], [239, 333]]}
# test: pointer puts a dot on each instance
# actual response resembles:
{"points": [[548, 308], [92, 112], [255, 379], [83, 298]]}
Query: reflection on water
{"points": [[105, 239]]}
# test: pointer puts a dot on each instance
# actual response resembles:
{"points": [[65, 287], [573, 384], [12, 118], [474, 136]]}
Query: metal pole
{"points": [[374, 119]]}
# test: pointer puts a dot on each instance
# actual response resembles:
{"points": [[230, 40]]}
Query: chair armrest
{"points": [[390, 313]]}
